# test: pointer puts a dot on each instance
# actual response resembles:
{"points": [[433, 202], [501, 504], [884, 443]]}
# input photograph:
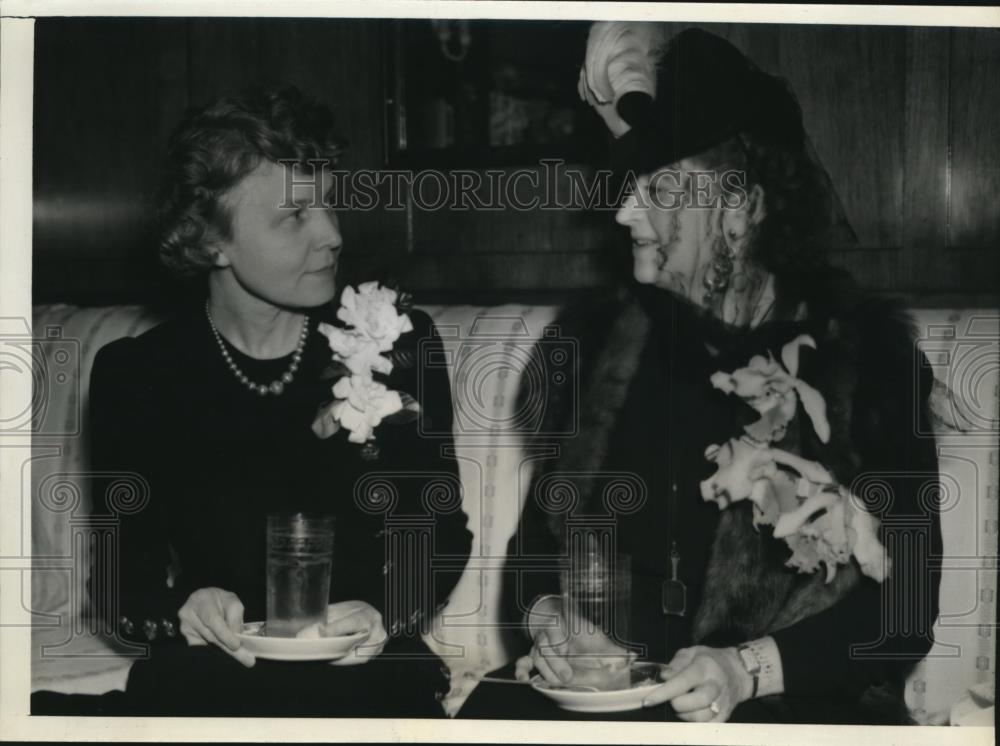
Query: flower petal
{"points": [[815, 406], [790, 352]]}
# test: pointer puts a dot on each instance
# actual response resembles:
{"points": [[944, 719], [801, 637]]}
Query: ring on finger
{"points": [[715, 707]]}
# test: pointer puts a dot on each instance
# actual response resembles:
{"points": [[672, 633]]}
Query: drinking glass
{"points": [[597, 596], [299, 562]]}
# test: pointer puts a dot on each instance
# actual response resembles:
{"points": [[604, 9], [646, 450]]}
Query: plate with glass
{"points": [[299, 563]]}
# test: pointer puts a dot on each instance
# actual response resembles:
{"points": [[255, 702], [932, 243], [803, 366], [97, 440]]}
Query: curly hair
{"points": [[792, 240], [216, 147], [794, 236]]}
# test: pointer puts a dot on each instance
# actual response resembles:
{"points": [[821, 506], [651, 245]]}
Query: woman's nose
{"points": [[328, 231], [628, 212]]}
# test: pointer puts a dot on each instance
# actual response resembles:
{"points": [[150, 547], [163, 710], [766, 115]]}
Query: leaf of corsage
{"points": [[404, 302], [325, 424], [402, 358], [805, 557], [409, 413], [335, 369]]}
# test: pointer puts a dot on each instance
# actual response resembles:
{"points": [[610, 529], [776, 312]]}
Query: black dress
{"points": [[653, 447], [192, 462]]}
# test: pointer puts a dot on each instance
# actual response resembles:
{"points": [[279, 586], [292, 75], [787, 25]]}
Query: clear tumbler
{"points": [[299, 562]]}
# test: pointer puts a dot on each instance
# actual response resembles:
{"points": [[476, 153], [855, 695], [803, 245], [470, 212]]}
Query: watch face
{"points": [[750, 662]]}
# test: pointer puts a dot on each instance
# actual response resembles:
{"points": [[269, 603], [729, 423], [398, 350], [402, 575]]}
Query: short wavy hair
{"points": [[216, 147]]}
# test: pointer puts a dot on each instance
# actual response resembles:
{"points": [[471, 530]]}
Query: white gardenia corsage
{"points": [[820, 520], [375, 318], [372, 313]]}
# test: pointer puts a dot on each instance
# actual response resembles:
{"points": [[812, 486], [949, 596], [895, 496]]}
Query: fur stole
{"points": [[748, 590]]}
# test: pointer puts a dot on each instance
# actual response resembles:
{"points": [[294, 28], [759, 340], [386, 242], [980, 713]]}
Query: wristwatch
{"points": [[752, 665]]}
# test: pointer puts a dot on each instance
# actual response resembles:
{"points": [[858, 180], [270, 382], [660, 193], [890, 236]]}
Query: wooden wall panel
{"points": [[105, 98], [904, 120], [103, 116], [227, 56], [551, 247], [925, 148], [440, 228], [851, 90], [974, 219]]}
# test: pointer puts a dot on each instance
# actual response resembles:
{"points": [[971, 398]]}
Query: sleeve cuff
{"points": [[771, 679]]}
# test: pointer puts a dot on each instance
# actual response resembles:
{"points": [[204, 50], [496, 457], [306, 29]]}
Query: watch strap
{"points": [[752, 664], [770, 677]]}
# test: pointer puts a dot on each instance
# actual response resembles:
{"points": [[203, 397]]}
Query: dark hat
{"points": [[707, 92]]}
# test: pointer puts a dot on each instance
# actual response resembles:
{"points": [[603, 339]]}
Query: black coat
{"points": [[637, 434], [211, 460]]}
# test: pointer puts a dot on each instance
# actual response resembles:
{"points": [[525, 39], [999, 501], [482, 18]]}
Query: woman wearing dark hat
{"points": [[738, 369]]}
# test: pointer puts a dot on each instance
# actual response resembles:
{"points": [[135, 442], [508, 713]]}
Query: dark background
{"points": [[903, 118]]}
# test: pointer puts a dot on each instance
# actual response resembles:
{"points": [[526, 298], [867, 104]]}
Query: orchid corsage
{"points": [[821, 521], [374, 318]]}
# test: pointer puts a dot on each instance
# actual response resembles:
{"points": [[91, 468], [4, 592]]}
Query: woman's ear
{"points": [[219, 258], [738, 223]]}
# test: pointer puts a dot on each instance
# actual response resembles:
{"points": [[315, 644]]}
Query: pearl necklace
{"points": [[277, 386]]}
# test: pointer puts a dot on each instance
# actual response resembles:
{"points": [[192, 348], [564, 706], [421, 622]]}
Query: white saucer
{"points": [[646, 677], [296, 648]]}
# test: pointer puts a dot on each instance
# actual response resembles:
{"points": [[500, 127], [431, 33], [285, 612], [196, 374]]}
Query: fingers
{"points": [[682, 659], [543, 667], [699, 716], [192, 637], [698, 698], [688, 676], [204, 614], [356, 621], [212, 616], [193, 626], [696, 687], [366, 618], [197, 632], [676, 686], [216, 622], [657, 697], [244, 656], [232, 610], [372, 645], [523, 668], [552, 656]]}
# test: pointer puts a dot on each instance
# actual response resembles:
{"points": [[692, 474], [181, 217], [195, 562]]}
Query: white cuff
{"points": [[771, 679]]}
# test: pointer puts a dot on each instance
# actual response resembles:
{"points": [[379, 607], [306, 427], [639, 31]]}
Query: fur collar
{"points": [[748, 590]]}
